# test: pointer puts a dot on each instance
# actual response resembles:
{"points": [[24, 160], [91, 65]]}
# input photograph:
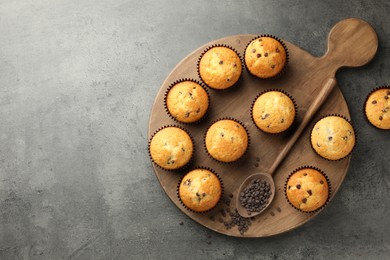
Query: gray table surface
{"points": [[77, 83]]}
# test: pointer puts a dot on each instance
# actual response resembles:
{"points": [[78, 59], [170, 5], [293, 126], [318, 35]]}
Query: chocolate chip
{"points": [[386, 97], [298, 186], [183, 149], [318, 145], [266, 54], [187, 182], [289, 187], [330, 138], [234, 65], [190, 94], [310, 193], [322, 182], [203, 194], [221, 62], [232, 138], [222, 134], [258, 55], [181, 223], [231, 195], [374, 102], [305, 174], [304, 200], [187, 114], [197, 111], [380, 118], [388, 93], [345, 138], [253, 50], [265, 116], [260, 40], [272, 66], [277, 50], [227, 79], [282, 121]]}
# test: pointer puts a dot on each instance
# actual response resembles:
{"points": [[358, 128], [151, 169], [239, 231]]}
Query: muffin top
{"points": [[220, 67], [377, 108], [226, 140], [187, 101], [333, 137], [265, 57], [171, 148], [200, 190], [273, 112], [307, 189]]}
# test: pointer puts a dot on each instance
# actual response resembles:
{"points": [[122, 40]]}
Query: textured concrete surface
{"points": [[77, 82]]}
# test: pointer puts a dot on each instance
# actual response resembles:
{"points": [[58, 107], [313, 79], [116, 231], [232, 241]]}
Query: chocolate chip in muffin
{"points": [[265, 116], [277, 50], [260, 40], [221, 62], [304, 200], [222, 134], [318, 145], [227, 79], [187, 114], [253, 50], [197, 111], [321, 181], [374, 102], [386, 97], [272, 66], [388, 92], [305, 174], [330, 138], [183, 149], [298, 186], [234, 64], [310, 192], [380, 118], [187, 182], [266, 54], [258, 55]]}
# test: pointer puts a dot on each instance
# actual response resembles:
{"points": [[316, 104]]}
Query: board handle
{"points": [[311, 111]]}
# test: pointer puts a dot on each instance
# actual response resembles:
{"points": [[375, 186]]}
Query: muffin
{"points": [[220, 67], [200, 190], [307, 189], [187, 101], [377, 108], [333, 137], [273, 112], [171, 148], [265, 57], [226, 140]]}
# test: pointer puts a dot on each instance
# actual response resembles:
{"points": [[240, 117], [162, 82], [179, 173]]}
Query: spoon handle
{"points": [[317, 103]]}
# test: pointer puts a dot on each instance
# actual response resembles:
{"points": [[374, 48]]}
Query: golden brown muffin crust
{"points": [[200, 190], [377, 108], [333, 137], [220, 67], [307, 189], [171, 148], [187, 101], [226, 140]]}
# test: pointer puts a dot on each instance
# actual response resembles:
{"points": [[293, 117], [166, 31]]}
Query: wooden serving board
{"points": [[302, 79]]}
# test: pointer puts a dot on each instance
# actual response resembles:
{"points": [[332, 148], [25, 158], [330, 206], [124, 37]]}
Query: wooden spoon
{"points": [[351, 43]]}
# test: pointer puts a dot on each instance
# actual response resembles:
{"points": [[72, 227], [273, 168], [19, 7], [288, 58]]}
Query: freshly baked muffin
{"points": [[377, 108], [226, 140], [265, 57], [187, 101], [220, 67], [171, 148], [200, 190], [273, 112], [307, 189], [333, 137]]}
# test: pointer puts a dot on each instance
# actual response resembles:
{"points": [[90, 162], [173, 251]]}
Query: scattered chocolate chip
{"points": [[197, 111], [345, 138], [190, 94], [227, 79], [183, 149], [203, 194], [386, 97], [318, 145], [272, 66], [238, 126], [194, 88], [374, 102], [253, 50], [321, 181], [187, 182], [234, 65], [282, 121], [304, 200], [330, 138], [260, 40], [266, 54], [380, 118], [181, 223], [255, 196], [277, 50], [305, 174], [265, 116], [298, 186], [385, 109], [222, 134], [279, 209], [258, 55], [231, 195], [289, 187], [187, 114], [310, 193], [221, 62]]}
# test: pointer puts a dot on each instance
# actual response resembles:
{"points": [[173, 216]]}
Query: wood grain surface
{"points": [[352, 42]]}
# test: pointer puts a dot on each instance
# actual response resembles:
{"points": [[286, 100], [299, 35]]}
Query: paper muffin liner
{"points": [[287, 94], [220, 198], [327, 180], [177, 82], [184, 167], [235, 120], [285, 48], [365, 103], [220, 45], [354, 130]]}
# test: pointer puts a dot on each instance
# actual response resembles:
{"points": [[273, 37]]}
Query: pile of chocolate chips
{"points": [[255, 197], [237, 220]]}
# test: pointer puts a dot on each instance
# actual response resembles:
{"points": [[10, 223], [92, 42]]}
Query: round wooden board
{"points": [[302, 79]]}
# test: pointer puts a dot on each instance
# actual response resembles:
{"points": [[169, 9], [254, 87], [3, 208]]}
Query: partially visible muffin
{"points": [[220, 67], [377, 108], [333, 137], [187, 101], [307, 189], [265, 57], [200, 190], [171, 148], [273, 112], [226, 140]]}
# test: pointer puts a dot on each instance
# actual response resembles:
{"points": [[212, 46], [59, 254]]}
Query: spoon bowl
{"points": [[261, 176]]}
